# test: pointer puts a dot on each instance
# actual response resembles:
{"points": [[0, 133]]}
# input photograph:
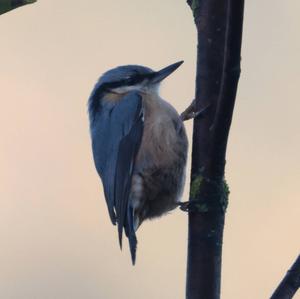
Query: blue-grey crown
{"points": [[124, 72]]}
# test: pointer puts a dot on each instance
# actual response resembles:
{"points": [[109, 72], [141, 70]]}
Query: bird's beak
{"points": [[165, 72]]}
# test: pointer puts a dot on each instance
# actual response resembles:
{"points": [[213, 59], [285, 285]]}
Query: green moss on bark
{"points": [[194, 4], [207, 195], [195, 186]]}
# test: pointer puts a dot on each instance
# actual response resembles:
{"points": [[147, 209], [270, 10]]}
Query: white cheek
{"points": [[125, 89], [143, 87]]}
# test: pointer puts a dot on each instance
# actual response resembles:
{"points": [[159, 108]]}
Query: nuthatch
{"points": [[139, 146]]}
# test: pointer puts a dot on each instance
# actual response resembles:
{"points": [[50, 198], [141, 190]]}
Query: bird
{"points": [[139, 146]]}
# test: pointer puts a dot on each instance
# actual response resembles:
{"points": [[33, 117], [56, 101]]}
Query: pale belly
{"points": [[159, 172]]}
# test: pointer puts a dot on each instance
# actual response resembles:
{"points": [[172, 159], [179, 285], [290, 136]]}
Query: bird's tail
{"points": [[131, 234], [132, 244]]}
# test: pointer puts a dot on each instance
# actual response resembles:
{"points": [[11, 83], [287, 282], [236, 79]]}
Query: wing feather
{"points": [[116, 131], [127, 152]]}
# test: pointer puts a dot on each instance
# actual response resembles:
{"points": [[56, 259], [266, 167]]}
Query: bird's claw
{"points": [[184, 206], [190, 112]]}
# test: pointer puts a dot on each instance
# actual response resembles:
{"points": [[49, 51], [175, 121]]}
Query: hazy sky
{"points": [[57, 241]]}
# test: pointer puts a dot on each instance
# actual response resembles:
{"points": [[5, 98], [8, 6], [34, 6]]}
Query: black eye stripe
{"points": [[126, 82], [134, 80]]}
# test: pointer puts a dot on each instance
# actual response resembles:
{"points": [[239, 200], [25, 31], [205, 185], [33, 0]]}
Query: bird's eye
{"points": [[136, 79], [130, 81]]}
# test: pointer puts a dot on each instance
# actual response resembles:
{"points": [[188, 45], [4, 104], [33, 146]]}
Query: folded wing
{"points": [[116, 131]]}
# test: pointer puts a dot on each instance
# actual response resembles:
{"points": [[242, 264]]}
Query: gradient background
{"points": [[56, 238]]}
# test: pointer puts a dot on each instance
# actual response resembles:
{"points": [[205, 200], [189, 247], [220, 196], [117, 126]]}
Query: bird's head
{"points": [[128, 78]]}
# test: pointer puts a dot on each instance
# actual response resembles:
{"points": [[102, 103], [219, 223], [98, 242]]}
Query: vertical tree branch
{"points": [[290, 283], [219, 27]]}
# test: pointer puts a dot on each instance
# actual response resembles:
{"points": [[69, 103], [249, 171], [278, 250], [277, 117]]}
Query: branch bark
{"points": [[7, 5], [219, 28], [290, 283]]}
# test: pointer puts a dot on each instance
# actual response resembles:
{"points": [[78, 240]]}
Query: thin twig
{"points": [[290, 283]]}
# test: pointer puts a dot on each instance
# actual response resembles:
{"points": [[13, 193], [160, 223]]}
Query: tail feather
{"points": [[131, 234], [133, 246], [120, 234]]}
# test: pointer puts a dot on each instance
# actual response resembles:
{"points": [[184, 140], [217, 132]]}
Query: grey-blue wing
{"points": [[127, 152], [116, 132]]}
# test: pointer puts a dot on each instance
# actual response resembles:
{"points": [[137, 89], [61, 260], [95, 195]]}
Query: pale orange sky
{"points": [[57, 241]]}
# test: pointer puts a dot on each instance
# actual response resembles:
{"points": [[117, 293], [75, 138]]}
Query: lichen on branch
{"points": [[208, 195], [194, 4]]}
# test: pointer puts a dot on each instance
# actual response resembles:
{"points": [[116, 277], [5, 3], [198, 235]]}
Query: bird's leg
{"points": [[187, 206], [191, 112], [184, 206]]}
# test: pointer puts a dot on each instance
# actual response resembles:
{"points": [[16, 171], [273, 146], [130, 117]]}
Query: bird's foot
{"points": [[193, 206], [185, 206], [191, 112]]}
